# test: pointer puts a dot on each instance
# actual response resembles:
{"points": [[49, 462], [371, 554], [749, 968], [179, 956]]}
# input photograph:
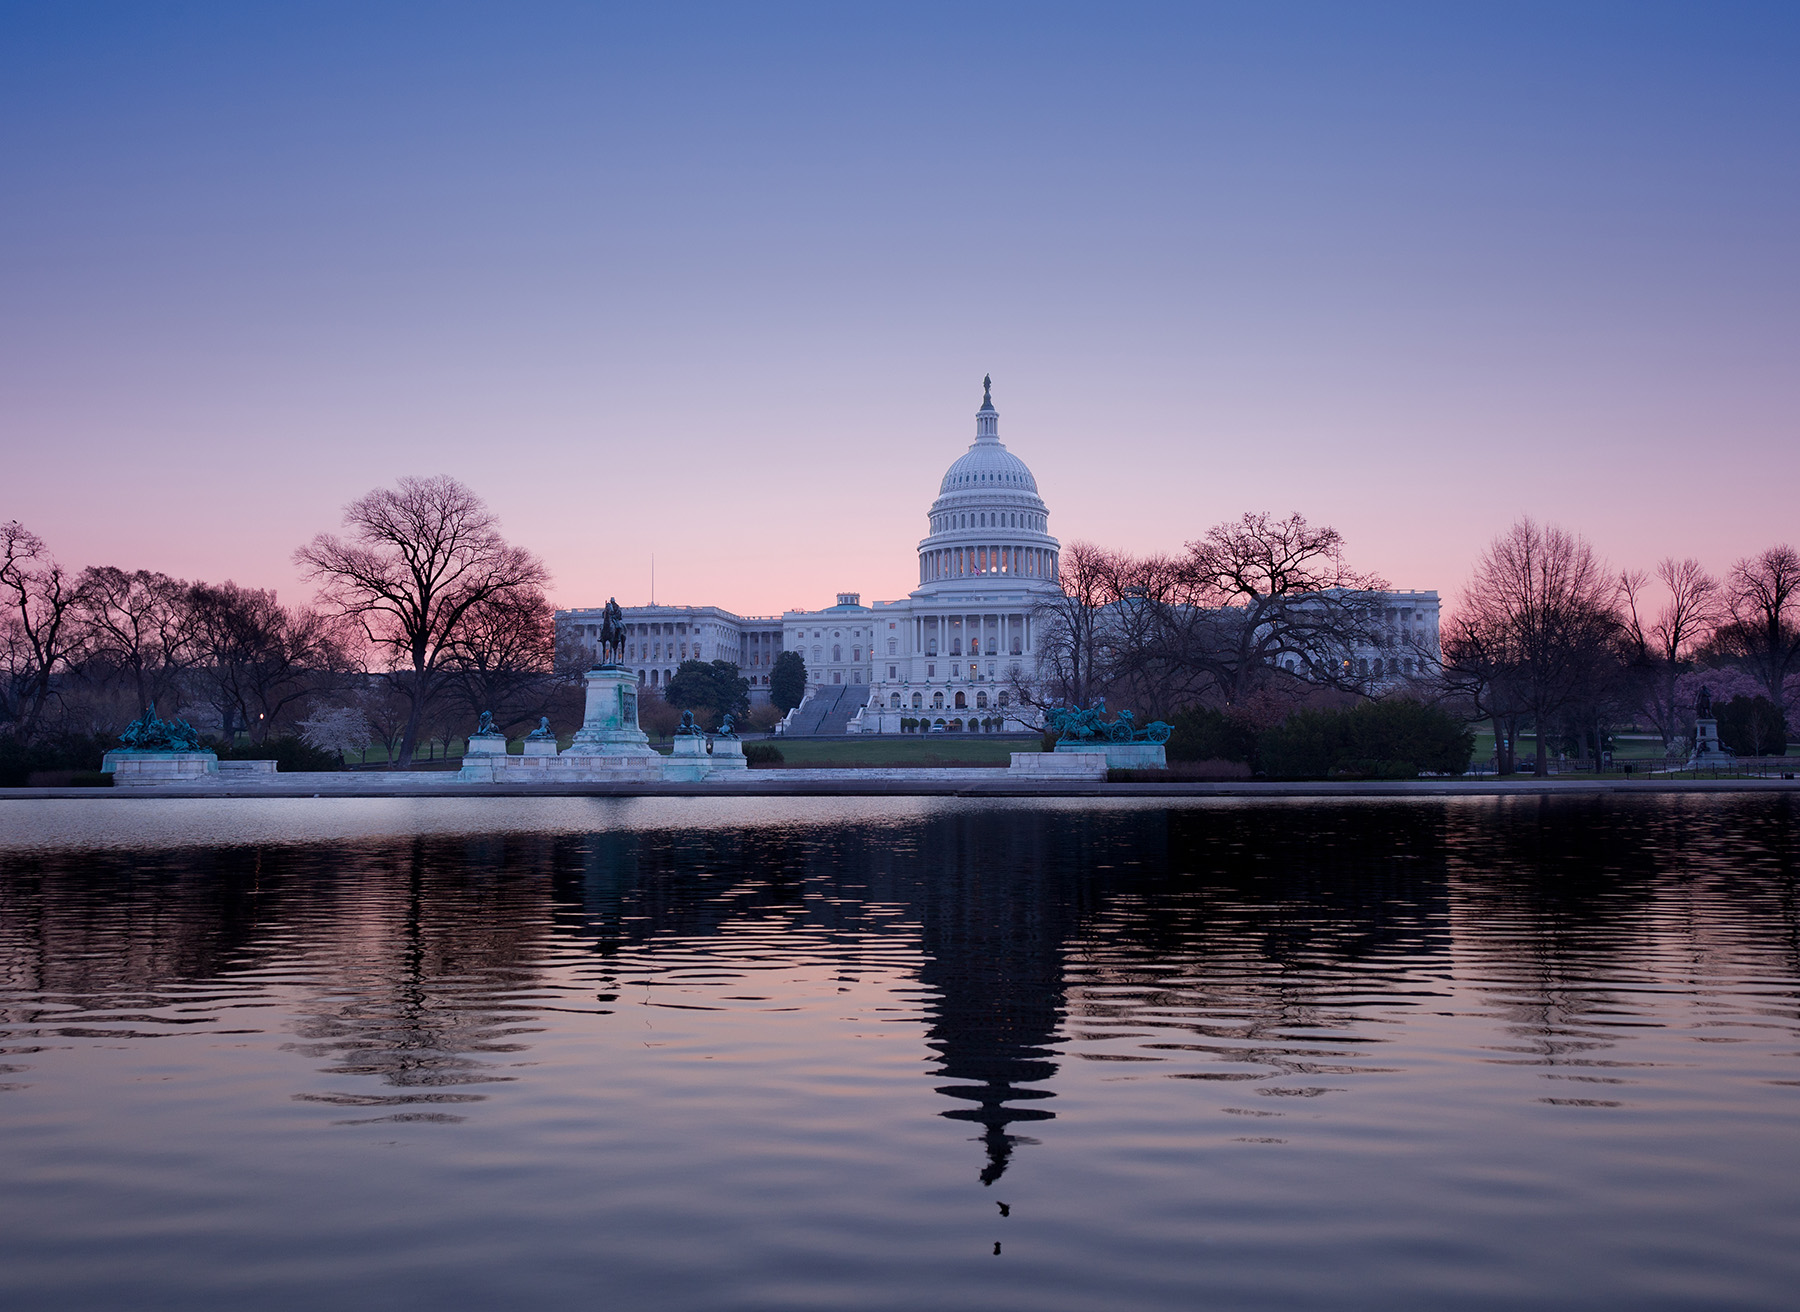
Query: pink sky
{"points": [[728, 299]]}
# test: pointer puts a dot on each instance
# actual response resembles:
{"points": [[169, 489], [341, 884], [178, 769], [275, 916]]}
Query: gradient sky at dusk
{"points": [[720, 282]]}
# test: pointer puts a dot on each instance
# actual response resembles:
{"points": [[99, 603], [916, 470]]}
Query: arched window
{"points": [[1005, 699], [918, 701], [818, 655], [961, 701], [893, 646], [653, 674], [937, 701], [894, 702], [1362, 665], [856, 653], [837, 653], [1377, 669], [981, 701]]}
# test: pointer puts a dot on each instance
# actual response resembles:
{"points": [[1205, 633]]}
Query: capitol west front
{"points": [[954, 649]]}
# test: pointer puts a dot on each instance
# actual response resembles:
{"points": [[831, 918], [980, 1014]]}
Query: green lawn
{"points": [[873, 752], [1632, 748]]}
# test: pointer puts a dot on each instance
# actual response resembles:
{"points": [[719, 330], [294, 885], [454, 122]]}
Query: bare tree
{"points": [[257, 659], [134, 625], [504, 658], [37, 633], [1253, 596], [1534, 623], [417, 560], [1071, 629], [1764, 631], [1661, 646]]}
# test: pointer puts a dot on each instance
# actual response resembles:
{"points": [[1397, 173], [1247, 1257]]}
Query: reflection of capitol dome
{"points": [[988, 524]]}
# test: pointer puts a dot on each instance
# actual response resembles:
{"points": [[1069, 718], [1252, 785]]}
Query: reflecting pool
{"points": [[916, 1053]]}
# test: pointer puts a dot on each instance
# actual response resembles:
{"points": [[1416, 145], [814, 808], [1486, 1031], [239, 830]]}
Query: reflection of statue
{"points": [[612, 633], [151, 733], [543, 730], [1703, 703], [688, 727], [484, 727], [725, 728]]}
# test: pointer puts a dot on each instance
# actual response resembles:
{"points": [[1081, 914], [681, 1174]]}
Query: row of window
{"points": [[960, 701], [988, 519], [971, 562]]}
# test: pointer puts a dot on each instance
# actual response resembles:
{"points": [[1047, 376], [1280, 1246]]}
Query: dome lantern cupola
{"points": [[987, 419]]}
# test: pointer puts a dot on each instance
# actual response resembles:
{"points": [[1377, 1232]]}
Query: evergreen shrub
{"points": [[1202, 733], [290, 754], [19, 760], [1752, 726], [1391, 739]]}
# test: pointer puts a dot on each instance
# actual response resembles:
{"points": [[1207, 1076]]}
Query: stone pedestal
{"points": [[132, 768], [1708, 750], [1059, 764], [241, 770], [1122, 756], [727, 757], [610, 725], [540, 747], [688, 763], [483, 758]]}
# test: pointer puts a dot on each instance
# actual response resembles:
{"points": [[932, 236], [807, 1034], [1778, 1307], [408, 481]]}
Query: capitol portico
{"points": [[955, 649]]}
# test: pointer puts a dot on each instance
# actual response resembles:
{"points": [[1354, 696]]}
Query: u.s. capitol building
{"points": [[955, 649]]}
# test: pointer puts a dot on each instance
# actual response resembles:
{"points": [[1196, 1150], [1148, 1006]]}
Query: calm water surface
{"points": [[757, 1053]]}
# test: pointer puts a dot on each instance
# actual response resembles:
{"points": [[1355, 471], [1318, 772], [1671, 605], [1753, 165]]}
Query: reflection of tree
{"points": [[424, 984], [1232, 954], [102, 930], [415, 952]]}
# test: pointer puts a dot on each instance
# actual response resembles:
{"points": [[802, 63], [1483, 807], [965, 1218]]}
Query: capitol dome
{"points": [[988, 525]]}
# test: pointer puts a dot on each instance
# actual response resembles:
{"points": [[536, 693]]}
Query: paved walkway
{"points": [[918, 782]]}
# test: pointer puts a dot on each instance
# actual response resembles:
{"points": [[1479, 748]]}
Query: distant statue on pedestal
{"points": [[543, 730], [484, 727], [725, 728], [612, 633], [1703, 703]]}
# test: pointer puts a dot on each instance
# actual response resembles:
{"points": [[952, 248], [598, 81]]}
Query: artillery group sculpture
{"points": [[1079, 724], [151, 733]]}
